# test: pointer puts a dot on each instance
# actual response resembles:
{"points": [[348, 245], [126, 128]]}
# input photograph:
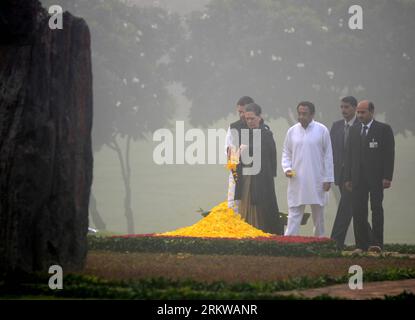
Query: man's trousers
{"points": [[360, 213], [295, 216], [343, 218]]}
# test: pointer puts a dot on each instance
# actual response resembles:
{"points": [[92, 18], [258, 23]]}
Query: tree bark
{"points": [[45, 139], [126, 174], [94, 213]]}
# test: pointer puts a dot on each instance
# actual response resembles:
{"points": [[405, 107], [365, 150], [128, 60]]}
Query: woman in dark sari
{"points": [[258, 204]]}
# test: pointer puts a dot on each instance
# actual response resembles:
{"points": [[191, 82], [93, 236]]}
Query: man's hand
{"points": [[326, 186], [386, 184], [348, 186]]}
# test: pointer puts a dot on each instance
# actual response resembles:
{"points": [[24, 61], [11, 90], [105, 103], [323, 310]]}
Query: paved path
{"points": [[370, 290]]}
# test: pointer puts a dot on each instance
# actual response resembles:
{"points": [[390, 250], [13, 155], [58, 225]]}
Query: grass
{"points": [[92, 287], [146, 267], [140, 275]]}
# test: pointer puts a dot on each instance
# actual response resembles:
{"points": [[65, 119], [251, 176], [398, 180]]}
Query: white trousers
{"points": [[295, 215], [233, 204]]}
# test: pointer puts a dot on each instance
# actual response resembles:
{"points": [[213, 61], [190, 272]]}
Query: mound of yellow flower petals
{"points": [[222, 222]]}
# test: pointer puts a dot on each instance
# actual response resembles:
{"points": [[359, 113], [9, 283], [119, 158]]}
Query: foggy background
{"points": [[156, 62]]}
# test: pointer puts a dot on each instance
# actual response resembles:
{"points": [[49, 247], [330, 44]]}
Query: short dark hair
{"points": [[309, 105], [350, 100], [253, 107], [244, 101], [371, 106]]}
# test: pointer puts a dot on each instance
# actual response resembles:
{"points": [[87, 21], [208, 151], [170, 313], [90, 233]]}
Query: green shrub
{"points": [[212, 246]]}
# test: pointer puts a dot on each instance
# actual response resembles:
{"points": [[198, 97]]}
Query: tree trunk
{"points": [[45, 139], [94, 213], [126, 174]]}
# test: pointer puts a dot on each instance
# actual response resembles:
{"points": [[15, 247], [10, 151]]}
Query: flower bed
{"points": [[223, 231], [273, 245]]}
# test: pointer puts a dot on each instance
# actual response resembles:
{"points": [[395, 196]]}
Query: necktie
{"points": [[363, 144], [346, 133]]}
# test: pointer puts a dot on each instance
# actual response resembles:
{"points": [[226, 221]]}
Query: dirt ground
{"points": [[232, 269]]}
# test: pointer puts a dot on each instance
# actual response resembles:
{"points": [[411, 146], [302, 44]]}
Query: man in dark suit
{"points": [[233, 139], [338, 134], [370, 156]]}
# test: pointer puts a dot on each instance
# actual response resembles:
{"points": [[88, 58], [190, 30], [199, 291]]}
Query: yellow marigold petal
{"points": [[221, 222]]}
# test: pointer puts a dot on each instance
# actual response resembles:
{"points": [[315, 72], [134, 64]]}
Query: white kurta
{"points": [[233, 204], [308, 152], [228, 140]]}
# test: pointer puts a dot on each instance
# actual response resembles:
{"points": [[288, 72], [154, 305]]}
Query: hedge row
{"points": [[212, 246], [80, 286]]}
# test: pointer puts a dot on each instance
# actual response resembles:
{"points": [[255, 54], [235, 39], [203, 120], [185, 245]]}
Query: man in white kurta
{"points": [[308, 161], [229, 148]]}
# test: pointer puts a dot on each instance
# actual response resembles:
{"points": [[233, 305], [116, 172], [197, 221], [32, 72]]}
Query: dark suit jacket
{"points": [[236, 128], [378, 161], [337, 143]]}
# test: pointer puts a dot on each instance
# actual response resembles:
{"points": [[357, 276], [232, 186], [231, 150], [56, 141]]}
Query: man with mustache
{"points": [[339, 133], [307, 161]]}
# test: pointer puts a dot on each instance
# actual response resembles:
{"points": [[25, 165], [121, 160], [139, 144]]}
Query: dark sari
{"points": [[258, 204]]}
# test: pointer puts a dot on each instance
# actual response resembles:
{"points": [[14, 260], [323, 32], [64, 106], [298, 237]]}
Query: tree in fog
{"points": [[130, 52], [278, 51], [282, 52]]}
